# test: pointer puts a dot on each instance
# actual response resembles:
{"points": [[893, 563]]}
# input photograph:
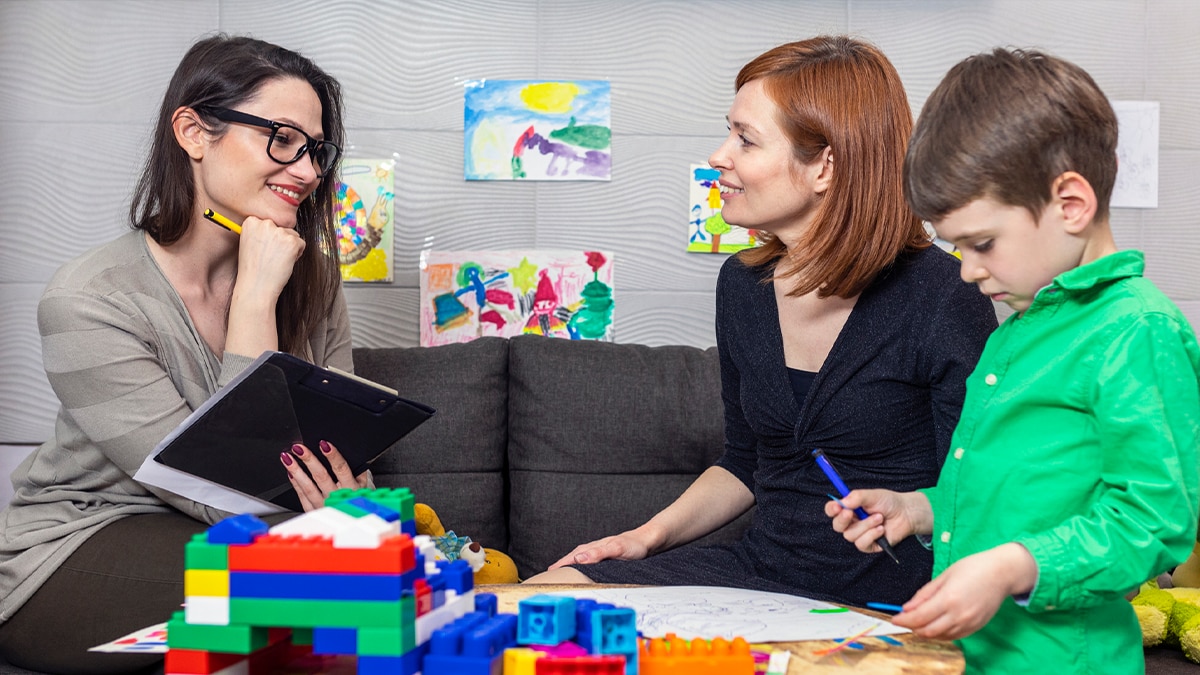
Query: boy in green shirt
{"points": [[1072, 475]]}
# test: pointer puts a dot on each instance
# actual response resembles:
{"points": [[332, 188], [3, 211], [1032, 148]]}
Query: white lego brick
{"points": [[207, 610]]}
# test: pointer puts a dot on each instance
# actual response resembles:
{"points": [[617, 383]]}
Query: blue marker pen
{"points": [[840, 486]]}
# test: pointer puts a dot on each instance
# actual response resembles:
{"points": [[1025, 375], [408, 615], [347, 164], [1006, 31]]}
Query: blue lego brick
{"points": [[471, 645], [456, 575], [487, 603], [378, 509], [387, 665], [546, 620], [409, 527], [307, 586], [583, 621], [335, 641], [237, 530], [614, 632]]}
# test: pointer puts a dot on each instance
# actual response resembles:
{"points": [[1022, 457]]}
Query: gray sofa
{"points": [[541, 444]]}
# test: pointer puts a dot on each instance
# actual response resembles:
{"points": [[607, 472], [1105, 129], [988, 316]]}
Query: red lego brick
{"points": [[424, 596], [198, 662], [580, 665], [275, 553]]}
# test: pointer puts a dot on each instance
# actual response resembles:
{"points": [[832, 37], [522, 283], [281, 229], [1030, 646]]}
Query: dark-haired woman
{"points": [[846, 331], [139, 332]]}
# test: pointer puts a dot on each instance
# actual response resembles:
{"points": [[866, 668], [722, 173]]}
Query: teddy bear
{"points": [[490, 566], [1168, 608]]}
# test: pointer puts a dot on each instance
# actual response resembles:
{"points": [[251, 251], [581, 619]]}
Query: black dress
{"points": [[882, 407]]}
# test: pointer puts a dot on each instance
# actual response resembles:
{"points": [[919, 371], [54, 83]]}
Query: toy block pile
{"points": [[352, 578], [349, 578]]}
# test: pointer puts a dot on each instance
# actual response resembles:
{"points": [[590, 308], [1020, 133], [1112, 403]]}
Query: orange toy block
{"points": [[673, 655]]}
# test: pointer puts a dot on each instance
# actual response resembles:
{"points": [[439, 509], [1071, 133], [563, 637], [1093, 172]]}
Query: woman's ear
{"points": [[823, 167], [1074, 201], [190, 133]]}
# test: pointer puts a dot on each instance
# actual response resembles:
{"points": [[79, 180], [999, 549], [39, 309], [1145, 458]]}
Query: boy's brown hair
{"points": [[842, 93], [1004, 125]]}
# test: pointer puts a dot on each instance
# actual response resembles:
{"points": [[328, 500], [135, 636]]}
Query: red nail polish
{"points": [[298, 449], [326, 447], [286, 458]]}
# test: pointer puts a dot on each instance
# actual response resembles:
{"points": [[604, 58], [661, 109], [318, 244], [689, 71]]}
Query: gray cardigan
{"points": [[128, 366]]}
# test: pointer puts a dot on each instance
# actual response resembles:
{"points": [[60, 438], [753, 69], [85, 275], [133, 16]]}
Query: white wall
{"points": [[80, 81]]}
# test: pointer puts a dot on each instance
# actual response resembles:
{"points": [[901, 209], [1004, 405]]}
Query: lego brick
{"points": [[238, 639], [581, 665], [562, 649], [386, 641], [198, 662], [456, 575], [423, 597], [456, 607], [206, 610], [399, 500], [201, 555], [376, 508], [672, 655], [301, 586], [302, 637], [334, 641], [241, 529], [546, 620], [350, 508], [487, 603], [315, 613], [614, 631], [520, 660], [359, 530], [274, 553], [408, 664], [211, 583]]}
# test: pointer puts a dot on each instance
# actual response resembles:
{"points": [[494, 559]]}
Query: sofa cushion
{"points": [[601, 437], [455, 462]]}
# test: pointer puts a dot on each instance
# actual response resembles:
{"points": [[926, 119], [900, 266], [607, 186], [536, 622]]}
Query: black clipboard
{"points": [[235, 438]]}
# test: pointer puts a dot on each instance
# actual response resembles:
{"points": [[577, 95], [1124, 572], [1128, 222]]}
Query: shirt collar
{"points": [[1111, 267]]}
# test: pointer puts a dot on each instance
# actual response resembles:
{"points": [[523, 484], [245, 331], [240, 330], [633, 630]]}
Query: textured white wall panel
{"points": [[1173, 69], [97, 62], [27, 404], [10, 457], [383, 317], [80, 81], [672, 62], [68, 182], [402, 63], [924, 39], [1172, 231]]}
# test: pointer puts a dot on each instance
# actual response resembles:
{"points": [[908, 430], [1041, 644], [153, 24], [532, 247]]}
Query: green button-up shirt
{"points": [[1078, 439]]}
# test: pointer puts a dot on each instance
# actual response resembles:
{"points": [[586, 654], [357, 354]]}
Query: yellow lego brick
{"points": [[520, 661], [207, 583]]}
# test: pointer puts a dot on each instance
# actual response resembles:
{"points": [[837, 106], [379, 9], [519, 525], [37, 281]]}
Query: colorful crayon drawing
{"points": [[470, 294], [363, 212], [707, 230], [530, 130]]}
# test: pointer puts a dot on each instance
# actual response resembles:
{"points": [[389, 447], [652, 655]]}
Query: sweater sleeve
{"points": [[740, 457], [1143, 517]]}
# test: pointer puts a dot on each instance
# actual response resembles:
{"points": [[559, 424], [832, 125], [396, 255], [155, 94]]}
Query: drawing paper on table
{"points": [[709, 612]]}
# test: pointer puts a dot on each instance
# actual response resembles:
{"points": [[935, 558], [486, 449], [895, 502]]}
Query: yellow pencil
{"points": [[222, 221]]}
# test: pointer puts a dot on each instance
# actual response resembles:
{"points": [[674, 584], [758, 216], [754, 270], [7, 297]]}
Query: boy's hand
{"points": [[966, 596], [894, 514]]}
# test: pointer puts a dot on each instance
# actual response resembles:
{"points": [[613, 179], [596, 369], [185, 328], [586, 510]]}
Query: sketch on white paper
{"points": [[709, 612], [1137, 155]]}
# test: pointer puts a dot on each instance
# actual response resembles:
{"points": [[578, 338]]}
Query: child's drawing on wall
{"points": [[470, 294], [363, 213], [529, 130], [707, 230]]}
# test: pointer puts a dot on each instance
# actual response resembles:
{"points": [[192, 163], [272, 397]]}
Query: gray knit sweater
{"points": [[128, 366]]}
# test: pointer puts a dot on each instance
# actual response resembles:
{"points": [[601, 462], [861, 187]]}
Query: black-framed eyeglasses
{"points": [[287, 143]]}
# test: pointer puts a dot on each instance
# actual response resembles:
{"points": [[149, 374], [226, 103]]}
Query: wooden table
{"points": [[918, 655]]}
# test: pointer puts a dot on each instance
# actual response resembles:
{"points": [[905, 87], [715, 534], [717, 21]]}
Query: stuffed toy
{"points": [[1168, 608], [490, 566]]}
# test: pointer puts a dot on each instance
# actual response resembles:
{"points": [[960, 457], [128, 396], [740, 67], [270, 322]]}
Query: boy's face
{"points": [[1006, 253]]}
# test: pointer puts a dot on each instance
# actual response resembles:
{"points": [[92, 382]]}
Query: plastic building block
{"points": [[212, 583], [275, 553], [201, 555], [471, 645], [487, 603], [424, 597], [520, 660], [614, 632], [300, 585], [561, 650], [228, 639], [399, 500], [197, 662], [546, 620], [580, 665], [673, 655], [334, 640], [386, 641], [241, 529], [456, 575], [373, 507], [347, 531], [210, 611], [317, 613]]}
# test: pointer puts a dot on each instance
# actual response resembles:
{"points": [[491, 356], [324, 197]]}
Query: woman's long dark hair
{"points": [[222, 72]]}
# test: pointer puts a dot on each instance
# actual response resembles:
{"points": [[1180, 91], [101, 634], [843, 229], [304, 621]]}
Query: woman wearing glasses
{"points": [[139, 332]]}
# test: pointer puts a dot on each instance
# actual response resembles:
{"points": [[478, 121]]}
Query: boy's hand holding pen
{"points": [[894, 513]]}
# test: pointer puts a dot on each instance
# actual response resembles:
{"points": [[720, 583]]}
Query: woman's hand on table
{"points": [[896, 515], [313, 483], [625, 546]]}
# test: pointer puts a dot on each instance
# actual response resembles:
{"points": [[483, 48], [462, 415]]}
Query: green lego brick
{"points": [[387, 641], [302, 636], [347, 507], [400, 500], [320, 613], [198, 554], [238, 639]]}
